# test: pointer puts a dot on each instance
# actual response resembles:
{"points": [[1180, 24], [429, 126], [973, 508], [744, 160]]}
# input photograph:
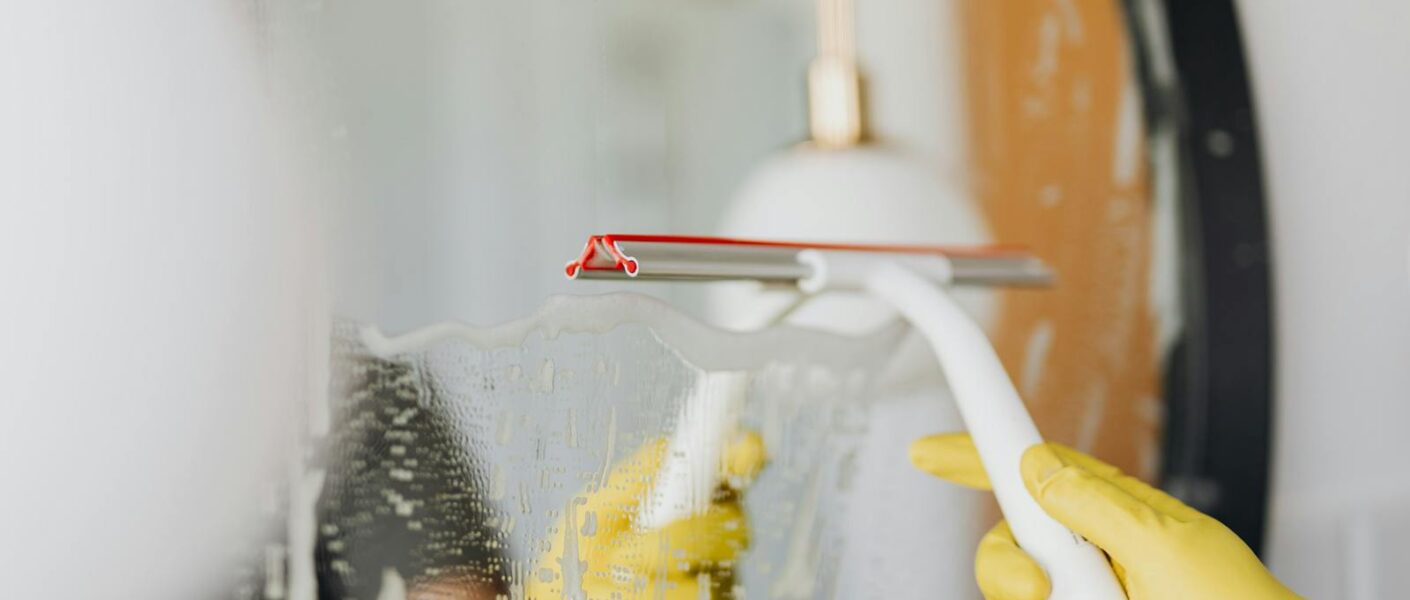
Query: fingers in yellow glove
{"points": [[682, 547], [953, 457], [1115, 513], [1004, 571], [619, 561], [613, 504], [744, 459], [1161, 548]]}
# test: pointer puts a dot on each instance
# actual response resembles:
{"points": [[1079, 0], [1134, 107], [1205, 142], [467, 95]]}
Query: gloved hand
{"points": [[1160, 548], [617, 561]]}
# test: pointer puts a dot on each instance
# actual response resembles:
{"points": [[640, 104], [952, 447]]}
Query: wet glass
{"points": [[455, 453]]}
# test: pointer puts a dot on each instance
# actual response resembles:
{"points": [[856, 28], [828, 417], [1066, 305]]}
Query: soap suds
{"points": [[704, 346]]}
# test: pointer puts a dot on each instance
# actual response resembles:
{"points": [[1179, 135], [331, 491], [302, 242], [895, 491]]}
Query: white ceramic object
{"points": [[873, 194]]}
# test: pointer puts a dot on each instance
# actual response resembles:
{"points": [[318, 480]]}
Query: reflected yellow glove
{"points": [[1160, 548], [616, 561]]}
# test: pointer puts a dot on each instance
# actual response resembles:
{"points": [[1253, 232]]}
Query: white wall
{"points": [[1332, 83], [159, 296]]}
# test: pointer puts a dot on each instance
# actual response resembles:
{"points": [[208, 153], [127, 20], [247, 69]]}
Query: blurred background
{"points": [[190, 193], [516, 128]]}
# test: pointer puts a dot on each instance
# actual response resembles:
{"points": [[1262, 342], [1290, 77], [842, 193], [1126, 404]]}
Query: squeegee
{"points": [[910, 278]]}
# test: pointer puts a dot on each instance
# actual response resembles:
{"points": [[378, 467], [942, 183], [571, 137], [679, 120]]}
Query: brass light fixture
{"points": [[834, 82]]}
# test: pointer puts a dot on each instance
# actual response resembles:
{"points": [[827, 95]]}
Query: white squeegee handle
{"points": [[690, 469], [988, 402]]}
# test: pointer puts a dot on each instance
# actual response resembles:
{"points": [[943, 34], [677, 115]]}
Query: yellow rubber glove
{"points": [[616, 561], [1160, 548]]}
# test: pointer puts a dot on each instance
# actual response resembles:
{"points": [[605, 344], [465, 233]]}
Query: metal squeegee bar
{"points": [[687, 258]]}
